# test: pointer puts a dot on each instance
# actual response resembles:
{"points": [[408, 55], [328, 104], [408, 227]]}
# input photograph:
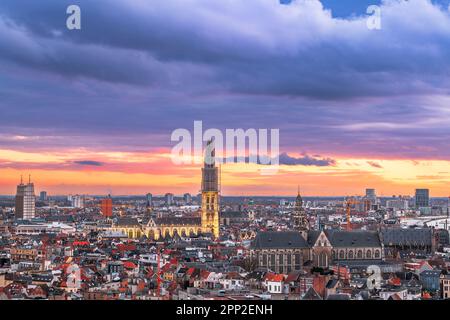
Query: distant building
{"points": [[43, 196], [25, 201], [106, 207], [370, 193], [422, 198], [397, 204], [77, 201], [370, 201], [169, 199], [149, 198], [187, 198]]}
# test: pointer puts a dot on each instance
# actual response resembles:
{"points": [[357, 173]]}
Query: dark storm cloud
{"points": [[285, 159], [306, 160], [89, 163], [139, 69], [239, 41]]}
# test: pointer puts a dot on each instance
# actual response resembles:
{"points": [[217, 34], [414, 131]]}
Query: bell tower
{"points": [[300, 219], [210, 192]]}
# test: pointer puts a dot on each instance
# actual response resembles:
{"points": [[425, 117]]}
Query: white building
{"points": [[77, 201], [25, 201]]}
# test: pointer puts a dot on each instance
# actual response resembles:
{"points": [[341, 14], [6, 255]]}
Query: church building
{"points": [[164, 227]]}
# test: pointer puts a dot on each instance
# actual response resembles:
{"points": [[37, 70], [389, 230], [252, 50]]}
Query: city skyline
{"points": [[40, 192], [375, 116]]}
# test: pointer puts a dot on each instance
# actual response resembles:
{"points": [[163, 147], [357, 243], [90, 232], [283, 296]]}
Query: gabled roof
{"points": [[279, 240], [312, 236], [273, 277], [355, 238], [311, 294]]}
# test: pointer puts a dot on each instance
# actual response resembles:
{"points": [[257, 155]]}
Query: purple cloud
{"points": [[138, 70]]}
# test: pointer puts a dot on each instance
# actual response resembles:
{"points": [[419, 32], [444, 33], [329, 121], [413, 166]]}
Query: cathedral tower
{"points": [[210, 192], [300, 219]]}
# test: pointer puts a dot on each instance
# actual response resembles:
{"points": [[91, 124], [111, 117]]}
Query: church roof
{"points": [[279, 240], [352, 238], [178, 221], [127, 222], [397, 236]]}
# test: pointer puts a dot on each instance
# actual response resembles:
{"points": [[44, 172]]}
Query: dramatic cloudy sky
{"points": [[92, 110]]}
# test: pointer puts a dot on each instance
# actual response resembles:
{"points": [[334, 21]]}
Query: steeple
{"points": [[299, 217], [210, 192], [299, 200]]}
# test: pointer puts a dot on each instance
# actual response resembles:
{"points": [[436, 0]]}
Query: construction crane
{"points": [[349, 202]]}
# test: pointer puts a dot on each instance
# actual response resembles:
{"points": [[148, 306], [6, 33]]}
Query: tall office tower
{"points": [[210, 192], [371, 194], [149, 198], [169, 199], [187, 198], [43, 196], [78, 201], [422, 198], [106, 206], [25, 201]]}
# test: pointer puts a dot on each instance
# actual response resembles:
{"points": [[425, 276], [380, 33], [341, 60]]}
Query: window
{"points": [[323, 261], [297, 259], [272, 259], [369, 254], [264, 259], [341, 254], [360, 254], [377, 253], [350, 254]]}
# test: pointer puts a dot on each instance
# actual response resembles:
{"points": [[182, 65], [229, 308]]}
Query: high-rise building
{"points": [[43, 196], [371, 194], [187, 198], [149, 199], [422, 198], [106, 207], [77, 201], [169, 199], [25, 201], [210, 192]]}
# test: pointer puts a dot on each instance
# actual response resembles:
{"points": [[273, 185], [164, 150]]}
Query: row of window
{"points": [[282, 258], [360, 254]]}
